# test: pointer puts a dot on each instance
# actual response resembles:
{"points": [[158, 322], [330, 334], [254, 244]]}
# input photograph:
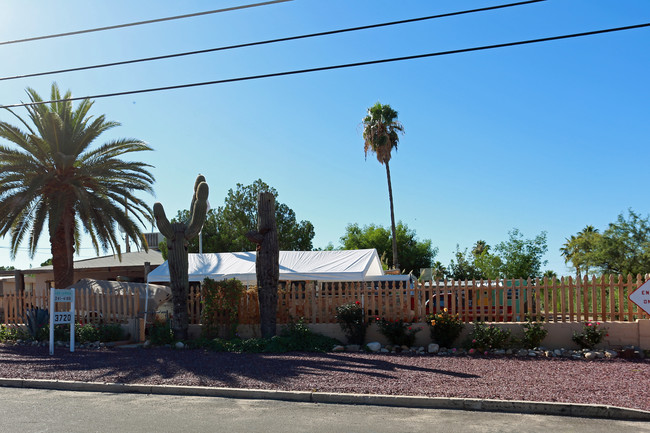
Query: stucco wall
{"points": [[559, 334]]}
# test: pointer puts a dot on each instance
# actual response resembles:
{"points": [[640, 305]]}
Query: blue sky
{"points": [[546, 137]]}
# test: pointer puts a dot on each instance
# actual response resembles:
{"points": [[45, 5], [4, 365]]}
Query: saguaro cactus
{"points": [[178, 236], [267, 263]]}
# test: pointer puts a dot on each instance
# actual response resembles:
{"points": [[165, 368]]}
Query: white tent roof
{"points": [[346, 265]]}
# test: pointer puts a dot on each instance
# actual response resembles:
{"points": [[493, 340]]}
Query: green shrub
{"points": [[485, 337], [160, 332], [352, 321], [591, 335], [294, 337], [9, 333], [220, 313], [534, 333], [86, 333], [444, 328], [397, 332], [111, 332]]}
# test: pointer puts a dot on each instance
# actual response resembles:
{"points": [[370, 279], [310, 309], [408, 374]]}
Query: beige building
{"points": [[132, 267]]}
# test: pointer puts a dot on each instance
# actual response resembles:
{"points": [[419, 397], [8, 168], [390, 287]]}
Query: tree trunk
{"points": [[62, 248], [392, 219], [179, 280], [267, 263]]}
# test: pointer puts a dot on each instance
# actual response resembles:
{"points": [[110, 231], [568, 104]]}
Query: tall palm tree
{"points": [[479, 247], [571, 253], [54, 178], [381, 135]]}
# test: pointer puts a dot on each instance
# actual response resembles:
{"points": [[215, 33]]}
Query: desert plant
{"points": [[36, 319], [485, 337], [444, 327], [534, 333], [397, 332], [592, 334], [351, 318]]}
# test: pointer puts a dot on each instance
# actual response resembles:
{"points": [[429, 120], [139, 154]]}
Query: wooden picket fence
{"points": [[89, 307], [558, 300]]}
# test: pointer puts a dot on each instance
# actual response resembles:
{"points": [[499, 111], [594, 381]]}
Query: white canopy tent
{"points": [[344, 265]]}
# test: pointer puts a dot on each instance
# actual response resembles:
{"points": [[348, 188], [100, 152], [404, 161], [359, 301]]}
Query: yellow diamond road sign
{"points": [[641, 297]]}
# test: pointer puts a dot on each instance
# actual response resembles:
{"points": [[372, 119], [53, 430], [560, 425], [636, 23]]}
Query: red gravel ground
{"points": [[615, 382]]}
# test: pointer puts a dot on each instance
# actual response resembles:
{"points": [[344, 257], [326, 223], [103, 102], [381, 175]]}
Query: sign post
{"points": [[641, 297], [59, 317]]}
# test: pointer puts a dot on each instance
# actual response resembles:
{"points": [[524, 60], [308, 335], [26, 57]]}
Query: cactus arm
{"points": [[199, 179], [199, 211], [162, 222], [255, 237]]}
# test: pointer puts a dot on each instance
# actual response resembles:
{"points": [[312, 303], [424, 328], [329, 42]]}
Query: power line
{"points": [[269, 41], [342, 66], [139, 23]]}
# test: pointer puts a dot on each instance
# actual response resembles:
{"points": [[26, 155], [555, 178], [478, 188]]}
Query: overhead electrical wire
{"points": [[270, 41], [332, 67], [139, 23]]}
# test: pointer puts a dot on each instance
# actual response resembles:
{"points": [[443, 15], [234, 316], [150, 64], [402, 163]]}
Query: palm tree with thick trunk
{"points": [[381, 135], [51, 177]]}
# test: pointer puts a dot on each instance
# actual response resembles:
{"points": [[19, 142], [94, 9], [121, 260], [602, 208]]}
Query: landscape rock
{"points": [[147, 344], [611, 354], [433, 348], [179, 345], [352, 348], [374, 346], [384, 350], [522, 352], [591, 355]]}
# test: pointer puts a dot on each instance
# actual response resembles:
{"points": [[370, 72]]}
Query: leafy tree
{"points": [[47, 262], [490, 266], [480, 264], [55, 178], [625, 246], [381, 134], [7, 268], [522, 258], [225, 228], [415, 254], [462, 266]]}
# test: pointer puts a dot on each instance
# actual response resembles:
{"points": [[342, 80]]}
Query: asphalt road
{"points": [[33, 410]]}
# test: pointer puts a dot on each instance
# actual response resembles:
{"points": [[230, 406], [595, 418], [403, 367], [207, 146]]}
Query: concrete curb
{"points": [[469, 404]]}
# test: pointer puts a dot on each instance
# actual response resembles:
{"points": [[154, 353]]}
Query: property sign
{"points": [[641, 297], [59, 317]]}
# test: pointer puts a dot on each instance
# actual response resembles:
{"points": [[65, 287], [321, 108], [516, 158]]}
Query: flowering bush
{"points": [[444, 327], [592, 334], [484, 337], [534, 333], [397, 332], [351, 318]]}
